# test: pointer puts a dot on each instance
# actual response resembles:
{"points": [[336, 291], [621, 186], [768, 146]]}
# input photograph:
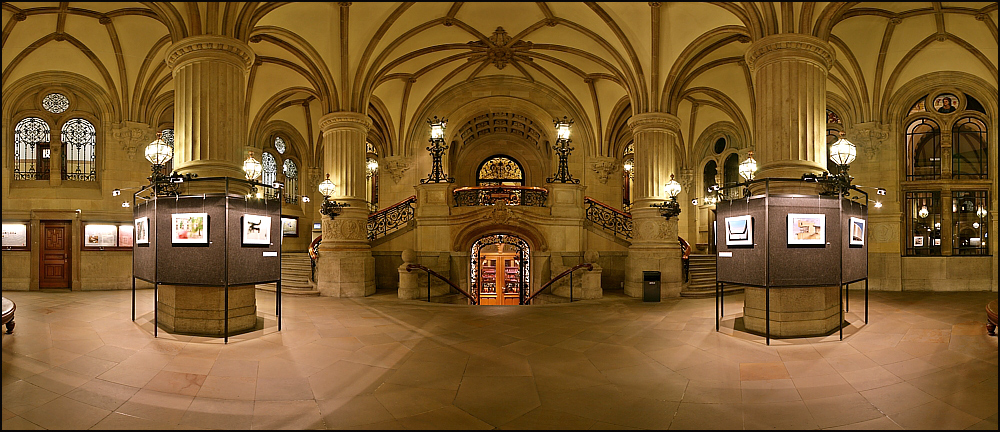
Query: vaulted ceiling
{"points": [[396, 61]]}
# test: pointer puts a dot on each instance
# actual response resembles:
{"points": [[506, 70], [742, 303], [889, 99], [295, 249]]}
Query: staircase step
{"points": [[710, 292], [288, 290]]}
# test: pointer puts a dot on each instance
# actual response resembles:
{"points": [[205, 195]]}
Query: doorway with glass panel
{"points": [[500, 270]]}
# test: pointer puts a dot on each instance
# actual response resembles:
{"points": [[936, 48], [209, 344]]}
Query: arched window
{"points": [[371, 175], [167, 135], [269, 173], [291, 172], [708, 176], [923, 147], [969, 149], [279, 145], [628, 176], [500, 170], [720, 145], [731, 174], [79, 140], [31, 149]]}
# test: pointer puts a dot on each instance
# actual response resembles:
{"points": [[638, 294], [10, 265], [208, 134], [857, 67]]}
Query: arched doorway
{"points": [[500, 270]]}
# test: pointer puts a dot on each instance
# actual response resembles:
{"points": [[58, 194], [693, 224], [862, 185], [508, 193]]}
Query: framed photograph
{"points": [[289, 226], [937, 242], [739, 231], [141, 231], [100, 236], [857, 231], [918, 241], [256, 230], [15, 236], [806, 229], [125, 236], [189, 228]]}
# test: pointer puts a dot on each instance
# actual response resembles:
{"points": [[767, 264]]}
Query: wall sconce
{"points": [[748, 167], [878, 204], [116, 192], [330, 208], [671, 208], [125, 204], [305, 199], [879, 191]]}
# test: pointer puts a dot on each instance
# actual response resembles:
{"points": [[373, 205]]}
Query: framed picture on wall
{"points": [[289, 226], [857, 231], [189, 228], [918, 241], [256, 230], [806, 229], [15, 236], [125, 235], [739, 231], [100, 235], [141, 231]]}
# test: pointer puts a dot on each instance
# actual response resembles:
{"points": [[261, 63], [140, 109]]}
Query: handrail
{"points": [[569, 271], [432, 272], [608, 218], [685, 248], [531, 196], [313, 255], [587, 198], [500, 187], [403, 202]]}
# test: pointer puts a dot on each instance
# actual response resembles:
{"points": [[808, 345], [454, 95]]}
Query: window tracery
{"points": [[79, 139], [31, 149], [55, 103], [291, 172], [500, 170], [269, 172]]}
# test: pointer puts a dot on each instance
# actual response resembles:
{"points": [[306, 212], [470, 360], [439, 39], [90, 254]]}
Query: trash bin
{"points": [[650, 286]]}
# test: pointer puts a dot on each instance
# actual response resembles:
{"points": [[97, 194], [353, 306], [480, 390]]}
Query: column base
{"points": [[201, 310], [342, 273], [795, 311]]}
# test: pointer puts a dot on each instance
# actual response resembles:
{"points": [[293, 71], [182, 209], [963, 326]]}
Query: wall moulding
{"points": [[209, 45], [789, 45]]}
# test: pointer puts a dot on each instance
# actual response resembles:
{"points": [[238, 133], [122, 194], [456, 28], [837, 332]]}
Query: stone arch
{"points": [[485, 225]]}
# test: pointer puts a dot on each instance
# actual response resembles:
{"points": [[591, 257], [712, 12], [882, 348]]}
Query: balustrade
{"points": [[511, 195]]}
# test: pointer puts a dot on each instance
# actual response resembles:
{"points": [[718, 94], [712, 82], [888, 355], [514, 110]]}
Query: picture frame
{"points": [[289, 226], [141, 231], [806, 229], [918, 241], [189, 228], [739, 231], [126, 237], [16, 236], [856, 231], [96, 235], [256, 229]]}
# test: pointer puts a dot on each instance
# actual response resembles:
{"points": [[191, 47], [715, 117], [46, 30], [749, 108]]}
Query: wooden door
{"points": [[54, 261], [510, 292], [499, 279]]}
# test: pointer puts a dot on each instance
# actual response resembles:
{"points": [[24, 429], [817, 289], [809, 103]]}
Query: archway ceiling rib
{"points": [[591, 53]]}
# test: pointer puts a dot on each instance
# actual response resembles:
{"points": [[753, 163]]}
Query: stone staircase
{"points": [[701, 278], [296, 269]]}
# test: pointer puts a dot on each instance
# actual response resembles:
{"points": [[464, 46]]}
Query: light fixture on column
{"points": [[563, 149], [627, 166], [371, 167], [843, 153], [437, 148], [671, 208], [159, 153], [330, 208], [748, 167], [252, 170]]}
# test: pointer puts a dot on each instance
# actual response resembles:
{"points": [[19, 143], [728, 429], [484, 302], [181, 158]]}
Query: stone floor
{"points": [[77, 361]]}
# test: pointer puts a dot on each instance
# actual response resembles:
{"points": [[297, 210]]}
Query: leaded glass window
{"points": [[708, 176], [55, 103], [31, 149], [269, 173], [291, 172], [167, 135], [79, 140], [731, 175], [628, 176], [969, 157], [500, 170], [279, 145], [923, 145], [923, 223], [970, 222]]}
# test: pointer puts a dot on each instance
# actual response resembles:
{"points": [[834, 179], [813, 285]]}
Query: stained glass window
{"points": [[923, 146], [919, 106], [79, 140], [291, 172], [628, 175], [279, 145], [31, 149], [55, 103], [500, 170], [969, 158], [832, 117]]}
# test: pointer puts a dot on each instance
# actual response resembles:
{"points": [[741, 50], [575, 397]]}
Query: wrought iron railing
{"points": [[610, 219], [391, 218], [411, 267], [569, 271], [512, 195]]}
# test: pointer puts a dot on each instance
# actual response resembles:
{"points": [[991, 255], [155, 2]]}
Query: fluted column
{"points": [[789, 78], [346, 267], [654, 239], [210, 127]]}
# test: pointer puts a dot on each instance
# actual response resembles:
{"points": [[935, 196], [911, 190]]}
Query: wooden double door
{"points": [[500, 279], [55, 254]]}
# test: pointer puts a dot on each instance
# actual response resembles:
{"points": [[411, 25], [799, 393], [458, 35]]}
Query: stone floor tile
{"points": [[722, 416], [934, 415]]}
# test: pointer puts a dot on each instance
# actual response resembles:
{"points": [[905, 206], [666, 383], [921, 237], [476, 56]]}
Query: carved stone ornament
{"points": [[132, 136], [314, 176], [501, 214], [344, 229], [396, 166], [869, 137], [499, 50], [785, 45], [604, 169], [686, 179]]}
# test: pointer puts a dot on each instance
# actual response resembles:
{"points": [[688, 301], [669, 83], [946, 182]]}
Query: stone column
{"points": [[789, 75], [346, 267], [210, 74], [654, 239]]}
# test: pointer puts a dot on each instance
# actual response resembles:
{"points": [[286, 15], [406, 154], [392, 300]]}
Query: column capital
{"points": [[345, 119], [789, 45], [209, 47], [654, 121]]}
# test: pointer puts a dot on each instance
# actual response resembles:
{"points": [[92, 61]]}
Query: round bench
{"points": [[991, 318], [8, 315]]}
